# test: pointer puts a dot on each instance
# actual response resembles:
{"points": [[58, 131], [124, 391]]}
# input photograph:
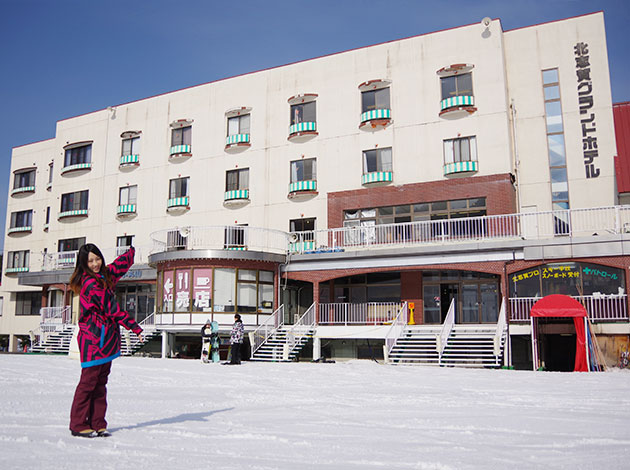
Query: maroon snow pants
{"points": [[90, 399]]}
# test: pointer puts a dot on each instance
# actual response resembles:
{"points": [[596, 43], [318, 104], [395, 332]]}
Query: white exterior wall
{"points": [[505, 65], [531, 50]]}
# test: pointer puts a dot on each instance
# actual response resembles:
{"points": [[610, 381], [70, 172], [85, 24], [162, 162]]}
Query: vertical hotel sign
{"points": [[585, 96]]}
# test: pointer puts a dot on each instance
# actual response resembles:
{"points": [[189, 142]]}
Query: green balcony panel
{"points": [[377, 177], [454, 101], [23, 189], [236, 195], [303, 127], [460, 167], [27, 228], [77, 167], [301, 247], [130, 160], [376, 114], [177, 202], [17, 270], [179, 149], [126, 209], [237, 139], [75, 213], [309, 185]]}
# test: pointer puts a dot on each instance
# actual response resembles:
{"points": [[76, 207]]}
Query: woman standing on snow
{"points": [[99, 335], [236, 339]]}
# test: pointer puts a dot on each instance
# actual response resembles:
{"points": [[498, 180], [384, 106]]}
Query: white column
{"points": [[317, 348], [165, 344]]}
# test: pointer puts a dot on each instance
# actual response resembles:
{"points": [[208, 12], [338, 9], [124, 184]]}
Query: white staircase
{"points": [[472, 346], [130, 343], [56, 342], [417, 345], [285, 342]]}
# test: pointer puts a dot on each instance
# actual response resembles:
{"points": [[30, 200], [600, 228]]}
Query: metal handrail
{"points": [[299, 330], [395, 330], [602, 307], [501, 324], [258, 337], [447, 327], [345, 313]]}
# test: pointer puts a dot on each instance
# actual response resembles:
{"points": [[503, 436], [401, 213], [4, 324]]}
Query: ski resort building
{"points": [[410, 200]]}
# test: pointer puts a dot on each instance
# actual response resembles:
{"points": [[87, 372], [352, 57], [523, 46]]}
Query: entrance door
{"points": [[448, 292]]}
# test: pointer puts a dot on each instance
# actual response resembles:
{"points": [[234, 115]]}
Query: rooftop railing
{"points": [[600, 307], [68, 259]]}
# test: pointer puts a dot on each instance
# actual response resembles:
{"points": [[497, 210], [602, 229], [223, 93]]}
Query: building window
{"points": [[124, 241], [50, 174], [224, 290], [74, 201], [130, 146], [556, 149], [302, 225], [377, 160], [237, 179], [18, 260], [238, 125], [460, 150], [70, 244], [24, 179], [303, 112], [181, 136], [21, 219], [78, 155], [456, 85], [304, 170], [128, 195], [28, 303], [375, 99], [47, 215], [235, 237], [178, 187]]}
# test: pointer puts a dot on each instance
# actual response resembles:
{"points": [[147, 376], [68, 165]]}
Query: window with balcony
{"points": [[77, 157], [238, 130], [178, 195], [235, 237], [21, 221], [24, 181], [123, 243], [28, 303], [377, 166], [457, 89], [74, 204], [127, 200], [303, 175], [181, 141], [303, 231], [375, 106], [303, 117], [237, 184], [130, 152], [460, 155], [18, 261]]}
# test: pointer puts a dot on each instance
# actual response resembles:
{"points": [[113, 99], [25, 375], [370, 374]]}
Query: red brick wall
{"points": [[497, 189]]}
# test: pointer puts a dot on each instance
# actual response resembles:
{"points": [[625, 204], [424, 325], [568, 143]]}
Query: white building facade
{"points": [[248, 193]]}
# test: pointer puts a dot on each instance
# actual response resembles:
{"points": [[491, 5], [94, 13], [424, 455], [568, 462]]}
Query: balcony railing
{"points": [[526, 226], [220, 238], [600, 307], [371, 313], [68, 259]]}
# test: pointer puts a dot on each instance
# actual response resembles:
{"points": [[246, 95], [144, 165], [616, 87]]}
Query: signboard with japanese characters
{"points": [[202, 290], [587, 118], [182, 290], [167, 291]]}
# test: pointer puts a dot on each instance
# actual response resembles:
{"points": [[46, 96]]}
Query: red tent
{"points": [[563, 306]]}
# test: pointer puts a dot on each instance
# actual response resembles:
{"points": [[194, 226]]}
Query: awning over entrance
{"points": [[563, 306]]}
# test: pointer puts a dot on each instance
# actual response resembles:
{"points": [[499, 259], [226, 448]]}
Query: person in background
{"points": [[99, 335], [236, 339]]}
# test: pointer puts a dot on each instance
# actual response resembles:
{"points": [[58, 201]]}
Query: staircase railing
{"points": [[447, 327], [299, 330], [130, 342], [258, 337], [498, 335], [54, 318], [394, 332]]}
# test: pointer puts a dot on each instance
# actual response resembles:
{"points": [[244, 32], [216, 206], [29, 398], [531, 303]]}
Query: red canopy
{"points": [[558, 305]]}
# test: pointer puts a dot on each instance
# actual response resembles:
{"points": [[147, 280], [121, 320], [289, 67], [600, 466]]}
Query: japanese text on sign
{"points": [[585, 97]]}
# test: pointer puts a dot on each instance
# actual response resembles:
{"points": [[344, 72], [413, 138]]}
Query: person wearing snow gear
{"points": [[236, 339], [206, 341], [100, 319]]}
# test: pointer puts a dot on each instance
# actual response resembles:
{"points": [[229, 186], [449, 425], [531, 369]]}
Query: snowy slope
{"points": [[183, 414]]}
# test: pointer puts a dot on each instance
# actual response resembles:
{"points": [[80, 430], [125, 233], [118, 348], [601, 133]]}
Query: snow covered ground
{"points": [[180, 414]]}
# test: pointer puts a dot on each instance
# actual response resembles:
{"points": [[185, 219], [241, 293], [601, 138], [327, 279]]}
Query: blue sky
{"points": [[63, 58]]}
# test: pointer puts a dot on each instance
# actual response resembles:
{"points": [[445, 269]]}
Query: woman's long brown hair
{"points": [[82, 268]]}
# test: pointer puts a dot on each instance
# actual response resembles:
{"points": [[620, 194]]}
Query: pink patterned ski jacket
{"points": [[100, 315]]}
